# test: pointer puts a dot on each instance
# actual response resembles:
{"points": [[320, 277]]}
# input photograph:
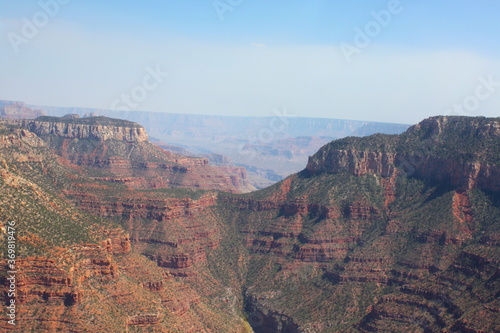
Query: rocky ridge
{"points": [[119, 151], [389, 156], [270, 148], [93, 128], [393, 222]]}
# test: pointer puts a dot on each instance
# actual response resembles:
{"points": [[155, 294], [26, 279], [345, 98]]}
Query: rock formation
{"points": [[93, 128], [121, 152]]}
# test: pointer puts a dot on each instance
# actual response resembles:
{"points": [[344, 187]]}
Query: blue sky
{"points": [[419, 58]]}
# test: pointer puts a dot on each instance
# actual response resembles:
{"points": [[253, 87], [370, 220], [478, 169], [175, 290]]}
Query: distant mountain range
{"points": [[270, 148]]}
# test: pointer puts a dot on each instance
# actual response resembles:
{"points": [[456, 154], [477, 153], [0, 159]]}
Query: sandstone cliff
{"points": [[94, 128]]}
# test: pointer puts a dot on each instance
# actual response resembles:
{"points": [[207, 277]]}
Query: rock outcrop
{"points": [[79, 272], [93, 128]]}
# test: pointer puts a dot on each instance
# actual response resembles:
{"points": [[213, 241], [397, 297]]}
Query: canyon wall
{"points": [[384, 233], [94, 128], [390, 156]]}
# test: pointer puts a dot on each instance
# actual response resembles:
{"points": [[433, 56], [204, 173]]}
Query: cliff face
{"points": [[462, 174], [421, 152], [352, 161], [93, 128]]}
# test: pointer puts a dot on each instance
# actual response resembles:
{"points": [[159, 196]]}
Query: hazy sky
{"points": [[394, 61]]}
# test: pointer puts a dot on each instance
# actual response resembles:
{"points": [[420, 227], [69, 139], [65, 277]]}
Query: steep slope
{"points": [[384, 233], [78, 272]]}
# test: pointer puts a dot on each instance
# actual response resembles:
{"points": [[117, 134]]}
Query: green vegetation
{"points": [[101, 121], [486, 210], [383, 143], [465, 139], [31, 196], [174, 193]]}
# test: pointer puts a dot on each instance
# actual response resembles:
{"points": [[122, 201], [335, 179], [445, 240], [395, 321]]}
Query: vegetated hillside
{"points": [[79, 272], [388, 233], [383, 233]]}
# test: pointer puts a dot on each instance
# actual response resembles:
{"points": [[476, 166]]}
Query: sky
{"points": [[390, 61]]}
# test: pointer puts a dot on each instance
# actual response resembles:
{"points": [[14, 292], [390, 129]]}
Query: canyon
{"points": [[384, 233], [269, 148]]}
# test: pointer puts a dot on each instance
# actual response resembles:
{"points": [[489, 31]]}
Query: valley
{"points": [[387, 233]]}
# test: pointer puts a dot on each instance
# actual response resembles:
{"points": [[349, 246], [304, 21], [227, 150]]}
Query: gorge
{"points": [[384, 233]]}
